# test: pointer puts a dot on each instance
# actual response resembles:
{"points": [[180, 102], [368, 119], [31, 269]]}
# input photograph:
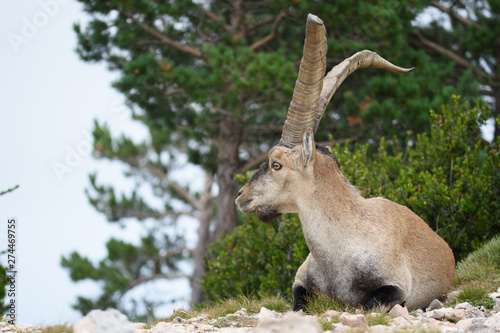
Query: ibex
{"points": [[363, 252]]}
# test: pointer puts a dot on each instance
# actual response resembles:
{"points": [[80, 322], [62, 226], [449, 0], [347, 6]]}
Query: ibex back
{"points": [[363, 252]]}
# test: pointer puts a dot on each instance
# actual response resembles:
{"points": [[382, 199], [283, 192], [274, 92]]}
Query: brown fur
{"points": [[357, 245]]}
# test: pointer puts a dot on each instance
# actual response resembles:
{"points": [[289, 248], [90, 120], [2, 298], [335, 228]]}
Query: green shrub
{"points": [[449, 177], [255, 259]]}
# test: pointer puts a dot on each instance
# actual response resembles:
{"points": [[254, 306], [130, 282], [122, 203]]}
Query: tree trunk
{"points": [[227, 165], [197, 295]]}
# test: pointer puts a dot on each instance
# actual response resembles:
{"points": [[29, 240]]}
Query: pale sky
{"points": [[48, 102]]}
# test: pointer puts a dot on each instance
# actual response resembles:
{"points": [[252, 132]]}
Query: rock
{"points": [[236, 330], [204, 327], [464, 305], [357, 321], [493, 322], [495, 296], [108, 321], [161, 327], [332, 313], [178, 320], [381, 329], [339, 327], [401, 322], [463, 324], [199, 318], [399, 311], [435, 304], [139, 325], [477, 328], [438, 314], [291, 323], [265, 314], [449, 329], [459, 314], [239, 313]]}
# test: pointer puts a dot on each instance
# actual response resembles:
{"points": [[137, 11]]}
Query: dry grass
{"points": [[57, 329], [231, 305]]}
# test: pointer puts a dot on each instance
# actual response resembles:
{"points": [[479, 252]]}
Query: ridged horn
{"points": [[338, 74], [304, 105]]}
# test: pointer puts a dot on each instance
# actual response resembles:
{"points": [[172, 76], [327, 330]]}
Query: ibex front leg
{"points": [[300, 293]]}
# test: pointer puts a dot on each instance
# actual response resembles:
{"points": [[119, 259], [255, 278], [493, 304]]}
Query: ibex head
{"points": [[288, 176], [275, 187]]}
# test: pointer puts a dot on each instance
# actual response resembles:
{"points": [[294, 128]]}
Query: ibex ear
{"points": [[308, 149]]}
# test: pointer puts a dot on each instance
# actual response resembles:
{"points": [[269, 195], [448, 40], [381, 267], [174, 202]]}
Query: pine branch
{"points": [[455, 15], [188, 197], [453, 56], [9, 190], [272, 34], [164, 39], [175, 186]]}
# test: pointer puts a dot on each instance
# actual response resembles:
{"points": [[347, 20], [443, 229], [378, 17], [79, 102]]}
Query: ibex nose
{"points": [[240, 191]]}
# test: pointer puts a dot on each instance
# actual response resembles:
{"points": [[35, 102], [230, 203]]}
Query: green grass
{"points": [[318, 304], [377, 316], [478, 275], [325, 324], [476, 295]]}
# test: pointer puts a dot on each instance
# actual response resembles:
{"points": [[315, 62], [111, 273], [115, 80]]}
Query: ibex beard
{"points": [[363, 252]]}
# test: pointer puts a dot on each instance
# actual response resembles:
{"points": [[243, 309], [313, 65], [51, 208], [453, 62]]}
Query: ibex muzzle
{"points": [[363, 252]]}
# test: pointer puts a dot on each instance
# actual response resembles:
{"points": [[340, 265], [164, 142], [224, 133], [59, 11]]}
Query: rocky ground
{"points": [[462, 318]]}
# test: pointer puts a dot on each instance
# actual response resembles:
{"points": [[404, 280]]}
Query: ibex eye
{"points": [[277, 166]]}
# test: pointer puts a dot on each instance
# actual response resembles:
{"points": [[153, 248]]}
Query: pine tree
{"points": [[212, 81], [471, 41]]}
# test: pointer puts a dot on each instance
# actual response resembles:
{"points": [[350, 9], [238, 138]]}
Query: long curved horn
{"points": [[304, 105], [338, 74]]}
